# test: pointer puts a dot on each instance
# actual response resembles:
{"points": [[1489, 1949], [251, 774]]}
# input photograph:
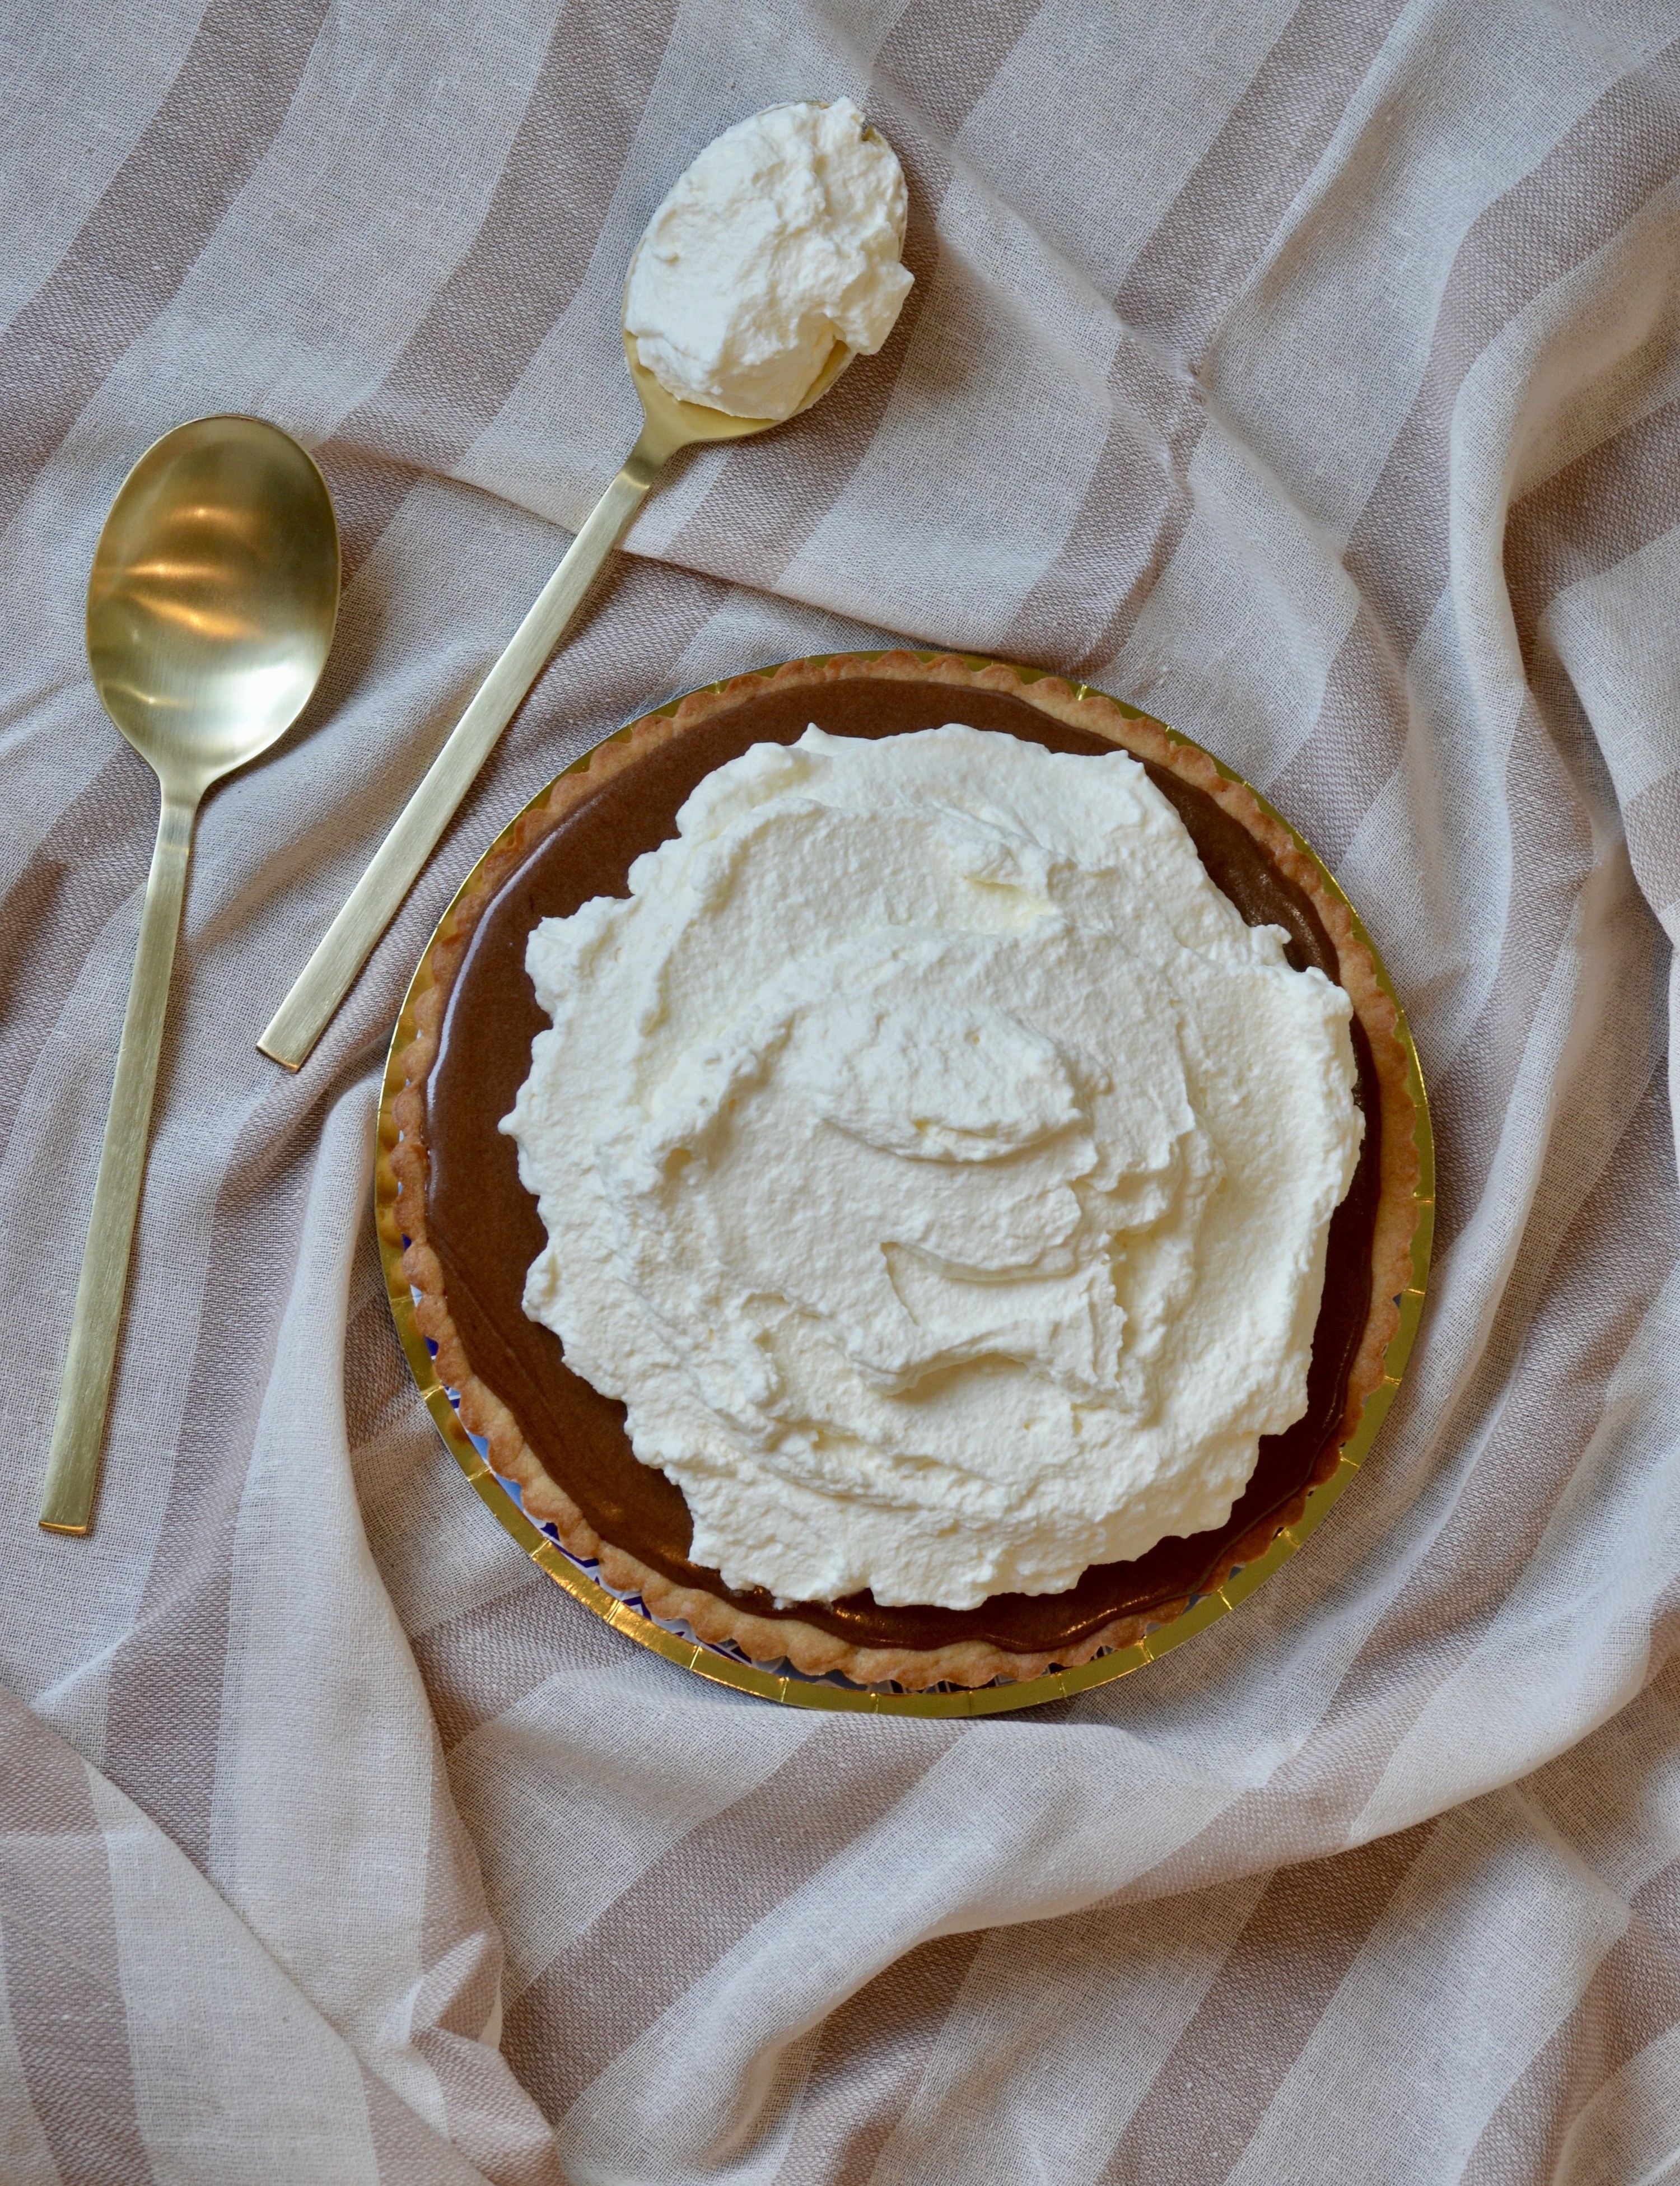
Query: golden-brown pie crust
{"points": [[764, 1640]]}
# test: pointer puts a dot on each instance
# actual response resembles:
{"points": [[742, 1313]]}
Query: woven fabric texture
{"points": [[1306, 371]]}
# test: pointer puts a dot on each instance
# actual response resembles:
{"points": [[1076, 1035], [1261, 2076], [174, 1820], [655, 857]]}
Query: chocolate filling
{"points": [[486, 1232]]}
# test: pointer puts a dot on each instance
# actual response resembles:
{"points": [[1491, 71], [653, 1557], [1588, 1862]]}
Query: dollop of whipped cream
{"points": [[935, 1164], [781, 239]]}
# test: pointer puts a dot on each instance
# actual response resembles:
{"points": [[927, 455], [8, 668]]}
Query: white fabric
{"points": [[1308, 375]]}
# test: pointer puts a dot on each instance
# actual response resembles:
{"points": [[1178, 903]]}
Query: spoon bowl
{"points": [[213, 595], [210, 608]]}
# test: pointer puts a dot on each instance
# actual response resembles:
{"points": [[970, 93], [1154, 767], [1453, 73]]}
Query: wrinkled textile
{"points": [[1307, 375]]}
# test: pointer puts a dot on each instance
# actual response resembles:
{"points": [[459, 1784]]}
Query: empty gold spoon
{"points": [[210, 609], [327, 978]]}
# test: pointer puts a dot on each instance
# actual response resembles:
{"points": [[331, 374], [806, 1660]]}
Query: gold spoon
{"points": [[210, 608], [349, 941]]}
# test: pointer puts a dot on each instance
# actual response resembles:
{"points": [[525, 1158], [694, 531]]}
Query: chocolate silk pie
{"points": [[474, 1229]]}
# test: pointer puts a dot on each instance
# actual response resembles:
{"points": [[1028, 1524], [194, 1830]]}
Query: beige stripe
{"points": [[1520, 1401], [1517, 1697], [1470, 1098], [236, 2077], [573, 1754], [1199, 256], [64, 1991], [491, 2118], [1517, 1446], [699, 1899], [1274, 1990], [1629, 2134], [26, 2159], [523, 268], [408, 2152], [1606, 666], [1204, 251], [1306, 1809], [1578, 1298], [460, 1991], [936, 64], [768, 501], [1587, 186], [634, 625], [379, 1393], [1080, 610], [479, 1664], [1653, 823], [135, 248], [1372, 244], [868, 2059], [1497, 1895], [1354, 744], [90, 861], [1632, 1997], [1604, 507], [455, 2017], [166, 1692], [60, 62], [1105, 1995]]}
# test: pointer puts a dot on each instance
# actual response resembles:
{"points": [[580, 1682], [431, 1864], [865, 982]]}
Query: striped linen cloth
{"points": [[1305, 371]]}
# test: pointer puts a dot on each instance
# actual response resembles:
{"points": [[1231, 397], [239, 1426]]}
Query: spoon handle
{"points": [[78, 1431], [376, 897]]}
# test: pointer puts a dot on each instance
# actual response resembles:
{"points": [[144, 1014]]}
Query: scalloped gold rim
{"points": [[801, 1692]]}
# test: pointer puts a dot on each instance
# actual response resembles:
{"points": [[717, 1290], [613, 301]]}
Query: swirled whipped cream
{"points": [[935, 1164], [781, 239]]}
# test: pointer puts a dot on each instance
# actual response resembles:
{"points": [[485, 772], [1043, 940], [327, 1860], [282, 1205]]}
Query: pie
{"points": [[473, 1229]]}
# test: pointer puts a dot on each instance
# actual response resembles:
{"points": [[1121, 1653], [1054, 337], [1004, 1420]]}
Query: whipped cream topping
{"points": [[782, 239], [935, 1164]]}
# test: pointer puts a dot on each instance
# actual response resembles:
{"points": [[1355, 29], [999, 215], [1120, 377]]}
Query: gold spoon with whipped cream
{"points": [[744, 216], [210, 607]]}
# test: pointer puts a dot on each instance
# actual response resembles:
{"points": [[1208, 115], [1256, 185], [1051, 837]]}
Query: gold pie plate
{"points": [[720, 1664]]}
